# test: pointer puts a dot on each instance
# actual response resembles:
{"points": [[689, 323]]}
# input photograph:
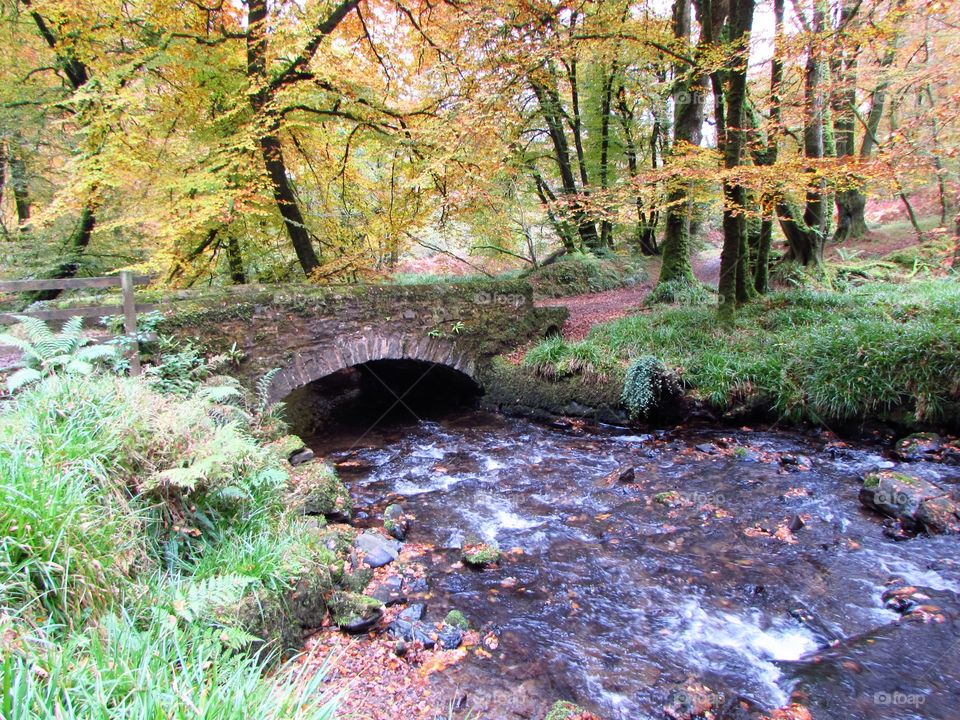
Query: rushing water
{"points": [[617, 598]]}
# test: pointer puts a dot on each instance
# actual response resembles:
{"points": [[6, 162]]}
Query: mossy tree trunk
{"points": [[733, 286], [688, 96]]}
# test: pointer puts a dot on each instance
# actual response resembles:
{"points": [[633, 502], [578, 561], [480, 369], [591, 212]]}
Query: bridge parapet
{"points": [[309, 331]]}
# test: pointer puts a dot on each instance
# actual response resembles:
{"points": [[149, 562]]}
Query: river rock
{"points": [[302, 456], [918, 446], [449, 637], [625, 474], [396, 521], [354, 613], [390, 591], [377, 550], [796, 462], [412, 632], [916, 503], [708, 448], [413, 613]]}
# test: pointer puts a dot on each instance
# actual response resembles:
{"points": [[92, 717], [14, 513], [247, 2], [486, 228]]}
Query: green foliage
{"points": [[810, 354], [580, 273], [646, 383], [131, 523], [457, 619], [554, 359], [561, 710], [161, 670], [46, 352], [680, 292]]}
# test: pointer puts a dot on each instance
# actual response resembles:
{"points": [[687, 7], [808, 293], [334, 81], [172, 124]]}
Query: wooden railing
{"points": [[129, 308]]}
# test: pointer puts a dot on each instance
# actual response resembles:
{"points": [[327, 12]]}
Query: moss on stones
{"points": [[562, 710], [286, 446], [350, 607], [456, 619], [317, 490], [480, 554]]}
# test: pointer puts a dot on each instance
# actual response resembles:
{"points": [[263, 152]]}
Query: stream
{"points": [[622, 596]]}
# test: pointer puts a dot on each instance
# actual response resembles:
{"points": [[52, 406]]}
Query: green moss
{"points": [[317, 490], [358, 580], [457, 619], [480, 554], [286, 446], [347, 607], [562, 710], [669, 498], [581, 273]]}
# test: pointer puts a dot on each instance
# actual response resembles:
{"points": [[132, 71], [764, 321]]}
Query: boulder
{"points": [[315, 489], [449, 637], [480, 554], [625, 474], [302, 456], [918, 446], [919, 505], [354, 613], [396, 521], [390, 591], [287, 446], [377, 550]]}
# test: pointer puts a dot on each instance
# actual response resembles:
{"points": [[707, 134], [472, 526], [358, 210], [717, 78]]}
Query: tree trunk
{"points": [[235, 261], [270, 146], [71, 256], [549, 103], [645, 236], [21, 191], [272, 151], [606, 103], [77, 76], [733, 258], [687, 130]]}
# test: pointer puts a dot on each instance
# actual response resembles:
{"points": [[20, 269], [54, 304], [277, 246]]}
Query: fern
{"points": [[263, 390], [46, 352], [198, 600]]}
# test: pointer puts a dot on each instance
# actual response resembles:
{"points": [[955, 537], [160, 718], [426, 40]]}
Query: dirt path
{"points": [[593, 308]]}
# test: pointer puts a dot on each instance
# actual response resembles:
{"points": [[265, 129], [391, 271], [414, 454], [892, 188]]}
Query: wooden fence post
{"points": [[130, 319]]}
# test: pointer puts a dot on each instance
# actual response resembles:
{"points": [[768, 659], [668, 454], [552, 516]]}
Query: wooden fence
{"points": [[129, 308]]}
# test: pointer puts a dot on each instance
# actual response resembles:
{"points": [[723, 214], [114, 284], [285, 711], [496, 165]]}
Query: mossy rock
{"points": [[670, 498], [316, 490], [266, 616], [457, 619], [480, 554], [286, 446], [562, 710], [357, 580], [354, 612], [339, 538]]}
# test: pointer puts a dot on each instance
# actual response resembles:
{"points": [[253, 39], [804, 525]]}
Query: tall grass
{"points": [[809, 355], [130, 520]]}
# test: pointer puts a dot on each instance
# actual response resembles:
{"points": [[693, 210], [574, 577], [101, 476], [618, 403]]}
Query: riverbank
{"points": [[880, 352]]}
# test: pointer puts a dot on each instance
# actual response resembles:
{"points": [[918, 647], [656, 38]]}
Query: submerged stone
{"points": [[396, 521]]}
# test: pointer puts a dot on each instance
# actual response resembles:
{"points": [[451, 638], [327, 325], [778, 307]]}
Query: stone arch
{"points": [[305, 367]]}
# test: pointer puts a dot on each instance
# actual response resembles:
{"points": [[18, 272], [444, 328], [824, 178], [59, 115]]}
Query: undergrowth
{"points": [[579, 273], [134, 518], [820, 356]]}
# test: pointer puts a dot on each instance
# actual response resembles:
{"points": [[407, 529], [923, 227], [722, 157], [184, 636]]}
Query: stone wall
{"points": [[309, 332]]}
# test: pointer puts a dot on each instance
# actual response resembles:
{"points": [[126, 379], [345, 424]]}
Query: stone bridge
{"points": [[310, 332]]}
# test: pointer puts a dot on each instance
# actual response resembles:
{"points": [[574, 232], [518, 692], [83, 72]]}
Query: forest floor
{"points": [[600, 307]]}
